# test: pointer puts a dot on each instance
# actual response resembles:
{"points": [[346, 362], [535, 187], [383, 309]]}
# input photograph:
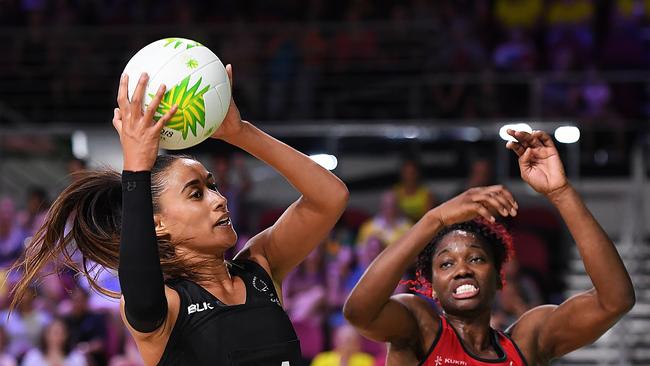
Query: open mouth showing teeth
{"points": [[224, 222], [465, 291]]}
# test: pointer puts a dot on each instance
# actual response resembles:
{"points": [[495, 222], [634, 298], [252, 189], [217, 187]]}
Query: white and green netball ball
{"points": [[196, 81]]}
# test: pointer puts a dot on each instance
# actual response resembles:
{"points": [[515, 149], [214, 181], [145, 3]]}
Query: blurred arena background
{"points": [[366, 87]]}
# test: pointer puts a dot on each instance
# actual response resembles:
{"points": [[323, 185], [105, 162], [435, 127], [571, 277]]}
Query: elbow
{"points": [[337, 197], [355, 314], [628, 302], [622, 305], [342, 196]]}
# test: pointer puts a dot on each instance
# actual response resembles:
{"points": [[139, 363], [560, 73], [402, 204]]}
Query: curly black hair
{"points": [[494, 234]]}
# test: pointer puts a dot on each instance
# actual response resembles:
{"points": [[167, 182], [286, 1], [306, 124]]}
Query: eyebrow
{"points": [[478, 246], [194, 182], [442, 251]]}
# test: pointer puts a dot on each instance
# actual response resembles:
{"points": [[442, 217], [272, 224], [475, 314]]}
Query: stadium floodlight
{"points": [[327, 161], [567, 134], [503, 131], [79, 144]]}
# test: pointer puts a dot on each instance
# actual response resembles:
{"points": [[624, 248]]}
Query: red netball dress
{"points": [[447, 349]]}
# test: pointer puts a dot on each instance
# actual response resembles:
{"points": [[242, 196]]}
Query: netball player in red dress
{"points": [[463, 251]]}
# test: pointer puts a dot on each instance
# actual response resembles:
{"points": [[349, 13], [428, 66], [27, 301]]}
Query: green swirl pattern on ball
{"points": [[191, 107]]}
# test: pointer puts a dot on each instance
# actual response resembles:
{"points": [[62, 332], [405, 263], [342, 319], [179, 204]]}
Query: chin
{"points": [[466, 307], [229, 239]]}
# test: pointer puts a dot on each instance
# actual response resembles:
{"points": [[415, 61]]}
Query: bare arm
{"points": [[583, 318], [370, 307], [308, 220]]}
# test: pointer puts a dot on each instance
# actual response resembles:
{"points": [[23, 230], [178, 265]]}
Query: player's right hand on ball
{"points": [[480, 201], [139, 132]]}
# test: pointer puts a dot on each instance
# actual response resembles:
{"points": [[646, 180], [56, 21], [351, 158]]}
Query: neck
{"points": [[410, 187], [54, 352], [213, 270], [474, 330]]}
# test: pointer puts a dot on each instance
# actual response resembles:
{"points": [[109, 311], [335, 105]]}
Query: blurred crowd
{"points": [[62, 322], [449, 59]]}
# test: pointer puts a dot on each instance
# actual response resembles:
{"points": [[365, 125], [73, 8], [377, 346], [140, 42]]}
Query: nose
{"points": [[463, 271], [219, 201]]}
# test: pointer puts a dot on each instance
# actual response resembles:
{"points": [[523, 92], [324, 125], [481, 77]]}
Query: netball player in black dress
{"points": [[181, 300]]}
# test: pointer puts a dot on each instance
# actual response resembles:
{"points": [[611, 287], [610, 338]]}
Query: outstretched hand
{"points": [[480, 201], [232, 122], [539, 161], [139, 133]]}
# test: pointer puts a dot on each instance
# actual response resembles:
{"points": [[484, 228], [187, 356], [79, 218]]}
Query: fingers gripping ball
{"points": [[196, 81]]}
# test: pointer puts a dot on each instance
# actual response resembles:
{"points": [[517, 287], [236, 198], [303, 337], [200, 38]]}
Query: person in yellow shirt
{"points": [[347, 350], [518, 13], [388, 225], [414, 198]]}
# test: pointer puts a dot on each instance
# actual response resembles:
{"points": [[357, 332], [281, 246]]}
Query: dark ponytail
{"points": [[87, 217]]}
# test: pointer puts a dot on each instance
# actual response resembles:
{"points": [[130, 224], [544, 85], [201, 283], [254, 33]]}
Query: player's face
{"points": [[192, 211], [464, 275]]}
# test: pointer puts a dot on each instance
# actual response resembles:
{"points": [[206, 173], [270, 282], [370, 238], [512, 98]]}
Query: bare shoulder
{"points": [[525, 332], [152, 345], [426, 317], [423, 311]]}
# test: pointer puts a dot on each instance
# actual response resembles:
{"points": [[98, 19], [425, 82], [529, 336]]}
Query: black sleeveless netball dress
{"points": [[208, 332]]}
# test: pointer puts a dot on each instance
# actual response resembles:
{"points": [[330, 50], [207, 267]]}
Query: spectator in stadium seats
{"points": [[347, 350], [12, 234], [389, 225], [345, 271], [305, 302], [479, 174], [5, 358], [52, 289], [87, 329], [520, 294], [282, 54], [55, 348], [244, 46], [624, 45], [25, 325], [462, 53], [517, 53], [355, 47], [130, 356], [599, 117], [234, 180], [413, 197], [518, 14], [313, 51], [560, 96], [36, 210], [483, 100], [570, 25]]}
